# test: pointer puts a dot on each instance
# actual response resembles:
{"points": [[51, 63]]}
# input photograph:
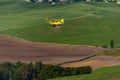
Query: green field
{"points": [[85, 23], [107, 73]]}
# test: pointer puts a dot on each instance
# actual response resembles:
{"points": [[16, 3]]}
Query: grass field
{"points": [[107, 73], [85, 23]]}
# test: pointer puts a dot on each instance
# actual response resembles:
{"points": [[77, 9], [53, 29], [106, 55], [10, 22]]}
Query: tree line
{"points": [[38, 71]]}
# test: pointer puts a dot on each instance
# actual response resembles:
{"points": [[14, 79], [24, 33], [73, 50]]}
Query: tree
{"points": [[112, 44], [25, 72], [38, 66], [4, 74]]}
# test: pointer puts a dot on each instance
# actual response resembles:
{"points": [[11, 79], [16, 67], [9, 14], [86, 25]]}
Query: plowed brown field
{"points": [[19, 50]]}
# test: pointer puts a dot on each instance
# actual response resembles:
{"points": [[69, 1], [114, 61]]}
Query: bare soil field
{"points": [[96, 62], [13, 50]]}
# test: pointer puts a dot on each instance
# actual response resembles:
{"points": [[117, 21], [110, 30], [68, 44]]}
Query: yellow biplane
{"points": [[56, 22]]}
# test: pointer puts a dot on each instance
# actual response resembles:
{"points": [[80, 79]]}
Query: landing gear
{"points": [[54, 26]]}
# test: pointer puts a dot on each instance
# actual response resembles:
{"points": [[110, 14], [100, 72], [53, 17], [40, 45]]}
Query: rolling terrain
{"points": [[87, 26], [85, 23], [14, 50]]}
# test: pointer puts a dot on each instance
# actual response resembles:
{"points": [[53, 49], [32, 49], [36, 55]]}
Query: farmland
{"points": [[85, 23], [14, 50], [111, 52], [26, 36]]}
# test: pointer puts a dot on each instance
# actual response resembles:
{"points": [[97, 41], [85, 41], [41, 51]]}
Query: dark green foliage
{"points": [[27, 71], [104, 46], [4, 74], [37, 71], [99, 0], [112, 44], [77, 0], [38, 66], [52, 71]]}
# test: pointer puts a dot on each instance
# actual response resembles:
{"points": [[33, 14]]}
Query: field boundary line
{"points": [[85, 58]]}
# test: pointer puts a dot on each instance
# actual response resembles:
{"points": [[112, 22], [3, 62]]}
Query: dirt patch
{"points": [[19, 50], [94, 63]]}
